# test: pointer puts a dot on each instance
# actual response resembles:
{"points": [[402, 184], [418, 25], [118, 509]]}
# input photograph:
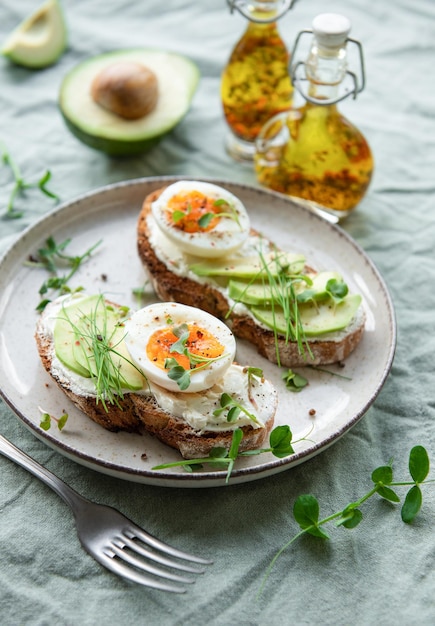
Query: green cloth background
{"points": [[379, 573]]}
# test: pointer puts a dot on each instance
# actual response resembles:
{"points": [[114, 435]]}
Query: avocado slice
{"points": [[65, 335], [262, 293], [259, 294], [250, 267], [91, 316], [317, 319], [104, 130], [40, 39]]}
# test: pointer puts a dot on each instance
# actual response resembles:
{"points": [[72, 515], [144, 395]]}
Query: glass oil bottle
{"points": [[255, 83], [314, 152]]}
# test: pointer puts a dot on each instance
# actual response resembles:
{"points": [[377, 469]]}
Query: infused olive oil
{"points": [[255, 83], [323, 158], [313, 151]]}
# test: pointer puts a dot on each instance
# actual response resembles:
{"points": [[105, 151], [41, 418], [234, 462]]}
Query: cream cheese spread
{"points": [[197, 408]]}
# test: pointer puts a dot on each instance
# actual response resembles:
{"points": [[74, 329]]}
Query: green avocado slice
{"points": [[65, 335], [40, 39], [262, 293], [249, 267], [317, 319], [103, 130], [76, 323]]}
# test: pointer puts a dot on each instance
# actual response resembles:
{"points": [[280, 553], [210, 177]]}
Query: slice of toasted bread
{"points": [[140, 412], [170, 285]]}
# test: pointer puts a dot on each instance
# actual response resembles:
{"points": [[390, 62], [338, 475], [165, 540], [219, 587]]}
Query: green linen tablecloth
{"points": [[382, 572]]}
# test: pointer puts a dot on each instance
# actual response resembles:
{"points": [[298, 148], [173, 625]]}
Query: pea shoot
{"points": [[306, 509], [51, 257], [293, 381], [233, 408], [280, 445], [47, 419], [21, 186], [335, 289]]}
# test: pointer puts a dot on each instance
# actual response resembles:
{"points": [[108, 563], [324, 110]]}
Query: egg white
{"points": [[226, 237], [142, 324]]}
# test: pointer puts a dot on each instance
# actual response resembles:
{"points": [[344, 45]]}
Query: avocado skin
{"points": [[112, 147]]}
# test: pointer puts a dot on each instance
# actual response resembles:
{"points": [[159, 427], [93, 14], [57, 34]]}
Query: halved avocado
{"points": [[103, 130], [40, 39]]}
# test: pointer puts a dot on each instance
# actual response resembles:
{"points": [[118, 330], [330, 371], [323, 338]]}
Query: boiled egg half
{"points": [[179, 347], [201, 218]]}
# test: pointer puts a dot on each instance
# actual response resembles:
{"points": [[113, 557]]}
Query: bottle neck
{"points": [[263, 11], [325, 69]]}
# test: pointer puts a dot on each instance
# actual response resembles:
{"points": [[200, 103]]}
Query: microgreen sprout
{"points": [[178, 215], [280, 445], [253, 374], [306, 509], [233, 408], [335, 289], [293, 381], [206, 218], [231, 213], [177, 372], [47, 419], [20, 185], [51, 257]]}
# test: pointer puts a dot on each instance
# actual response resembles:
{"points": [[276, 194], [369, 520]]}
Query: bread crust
{"points": [[139, 413], [171, 287]]}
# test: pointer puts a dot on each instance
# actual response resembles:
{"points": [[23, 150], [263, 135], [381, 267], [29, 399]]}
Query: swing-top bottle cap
{"points": [[331, 29]]}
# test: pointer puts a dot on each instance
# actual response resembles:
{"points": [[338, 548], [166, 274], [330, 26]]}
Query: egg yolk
{"points": [[199, 342], [187, 210]]}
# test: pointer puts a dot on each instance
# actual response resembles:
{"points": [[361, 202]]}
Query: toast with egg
{"points": [[179, 275], [185, 419]]}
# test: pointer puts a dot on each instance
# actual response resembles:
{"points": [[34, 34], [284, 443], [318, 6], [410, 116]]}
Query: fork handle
{"points": [[13, 453]]}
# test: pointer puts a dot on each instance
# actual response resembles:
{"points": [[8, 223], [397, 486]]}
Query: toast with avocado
{"points": [[293, 314], [85, 344]]}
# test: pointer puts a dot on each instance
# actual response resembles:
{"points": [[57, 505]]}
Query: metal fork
{"points": [[111, 538]]}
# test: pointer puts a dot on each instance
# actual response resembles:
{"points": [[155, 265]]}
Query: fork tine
{"points": [[118, 567], [144, 566], [134, 531], [141, 549]]}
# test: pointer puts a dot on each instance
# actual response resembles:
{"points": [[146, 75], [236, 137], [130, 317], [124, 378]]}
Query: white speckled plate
{"points": [[110, 214]]}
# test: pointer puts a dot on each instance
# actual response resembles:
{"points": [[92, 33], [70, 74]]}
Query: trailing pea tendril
{"points": [[21, 186], [220, 458], [306, 509]]}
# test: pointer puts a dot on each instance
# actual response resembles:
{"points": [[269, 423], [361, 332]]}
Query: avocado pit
{"points": [[126, 88]]}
